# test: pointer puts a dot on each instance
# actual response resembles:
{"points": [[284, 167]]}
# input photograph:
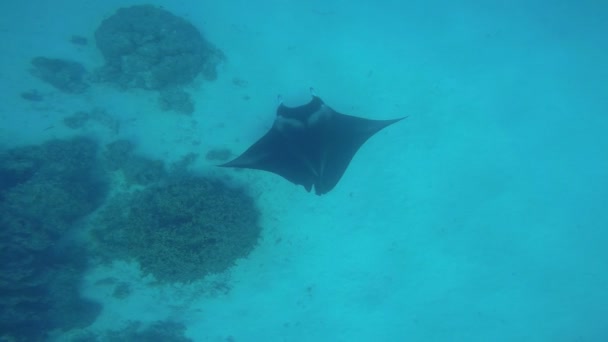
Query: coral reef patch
{"points": [[182, 230], [67, 76], [44, 191], [148, 47]]}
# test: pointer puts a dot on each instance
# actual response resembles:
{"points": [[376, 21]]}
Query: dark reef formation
{"points": [[148, 47], [178, 227], [182, 230], [67, 76], [44, 191], [143, 46]]}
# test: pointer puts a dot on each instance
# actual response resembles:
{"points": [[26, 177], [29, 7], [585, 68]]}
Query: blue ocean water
{"points": [[481, 217]]}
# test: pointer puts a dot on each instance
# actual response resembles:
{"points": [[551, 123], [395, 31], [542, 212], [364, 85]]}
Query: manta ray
{"points": [[310, 145]]}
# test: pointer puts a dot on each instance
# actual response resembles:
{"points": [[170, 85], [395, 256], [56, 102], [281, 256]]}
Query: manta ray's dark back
{"points": [[310, 145]]}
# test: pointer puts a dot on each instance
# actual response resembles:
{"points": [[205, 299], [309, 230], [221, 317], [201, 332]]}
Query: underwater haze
{"points": [[481, 217]]}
